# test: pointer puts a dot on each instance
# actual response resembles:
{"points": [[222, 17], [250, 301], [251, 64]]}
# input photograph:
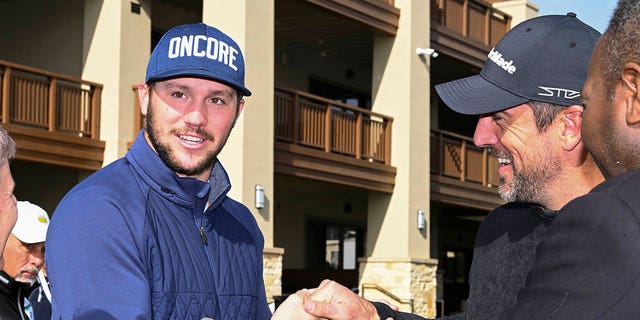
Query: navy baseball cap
{"points": [[541, 59], [198, 50]]}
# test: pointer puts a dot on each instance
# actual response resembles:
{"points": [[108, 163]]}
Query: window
{"points": [[333, 246]]}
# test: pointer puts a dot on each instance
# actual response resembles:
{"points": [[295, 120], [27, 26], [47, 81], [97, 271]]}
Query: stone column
{"points": [[248, 155], [408, 283], [397, 264], [116, 47], [519, 10]]}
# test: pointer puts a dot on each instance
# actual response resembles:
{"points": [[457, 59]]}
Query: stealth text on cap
{"points": [[497, 58], [202, 46], [558, 92]]}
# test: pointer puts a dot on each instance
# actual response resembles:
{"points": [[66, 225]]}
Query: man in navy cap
{"points": [[527, 97], [154, 234]]}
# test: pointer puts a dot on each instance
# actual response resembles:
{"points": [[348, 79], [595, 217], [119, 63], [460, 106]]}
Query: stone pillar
{"points": [[115, 50], [408, 283], [519, 10], [248, 154], [272, 259], [397, 251]]}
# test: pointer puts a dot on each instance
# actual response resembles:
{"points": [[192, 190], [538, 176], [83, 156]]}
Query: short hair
{"points": [[622, 41], [545, 113], [7, 147]]}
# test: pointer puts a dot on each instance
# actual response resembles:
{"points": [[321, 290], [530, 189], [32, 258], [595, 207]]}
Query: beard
{"points": [[168, 155], [528, 185], [27, 279]]}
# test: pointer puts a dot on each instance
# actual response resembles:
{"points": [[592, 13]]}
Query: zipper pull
{"points": [[203, 236]]}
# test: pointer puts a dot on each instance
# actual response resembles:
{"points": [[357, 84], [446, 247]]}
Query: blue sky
{"points": [[595, 13]]}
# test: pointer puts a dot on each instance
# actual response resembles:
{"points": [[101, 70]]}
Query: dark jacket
{"points": [[588, 264], [503, 255], [12, 295], [40, 305], [133, 241]]}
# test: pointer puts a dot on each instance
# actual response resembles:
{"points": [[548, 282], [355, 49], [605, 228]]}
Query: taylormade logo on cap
{"points": [[496, 57], [201, 46], [198, 50]]}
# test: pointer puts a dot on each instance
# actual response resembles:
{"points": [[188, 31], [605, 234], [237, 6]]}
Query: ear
{"points": [[238, 112], [240, 108], [143, 97], [631, 82], [571, 124]]}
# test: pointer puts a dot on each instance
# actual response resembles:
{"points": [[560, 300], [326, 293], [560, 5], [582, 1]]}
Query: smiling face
{"points": [[527, 157], [188, 121]]}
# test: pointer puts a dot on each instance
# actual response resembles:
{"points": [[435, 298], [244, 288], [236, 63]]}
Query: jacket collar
{"points": [[12, 286], [158, 175]]}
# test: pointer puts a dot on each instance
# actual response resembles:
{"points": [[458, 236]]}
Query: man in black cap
{"points": [[528, 99]]}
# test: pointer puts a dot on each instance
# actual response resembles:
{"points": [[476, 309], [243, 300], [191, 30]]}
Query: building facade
{"points": [[367, 178]]}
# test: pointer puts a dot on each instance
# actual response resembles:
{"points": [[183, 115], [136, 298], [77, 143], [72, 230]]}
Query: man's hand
{"points": [[291, 308], [334, 301]]}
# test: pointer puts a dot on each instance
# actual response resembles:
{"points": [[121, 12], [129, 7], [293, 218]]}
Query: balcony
{"points": [[462, 173], [53, 118], [331, 141], [467, 29], [316, 122]]}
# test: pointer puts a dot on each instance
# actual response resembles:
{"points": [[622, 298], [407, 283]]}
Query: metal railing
{"points": [[49, 101], [316, 122], [473, 19], [455, 156], [387, 293]]}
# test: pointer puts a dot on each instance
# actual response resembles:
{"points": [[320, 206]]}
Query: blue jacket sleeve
{"points": [[92, 261], [242, 214]]}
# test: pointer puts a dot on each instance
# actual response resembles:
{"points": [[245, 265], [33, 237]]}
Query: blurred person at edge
{"points": [[24, 256], [8, 209], [530, 119]]}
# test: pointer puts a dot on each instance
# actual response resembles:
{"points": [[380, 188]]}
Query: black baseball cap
{"points": [[544, 59]]}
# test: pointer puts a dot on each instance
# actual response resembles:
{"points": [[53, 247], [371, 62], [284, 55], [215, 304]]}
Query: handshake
{"points": [[330, 300]]}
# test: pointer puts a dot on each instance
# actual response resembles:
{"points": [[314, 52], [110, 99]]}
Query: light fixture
{"points": [[422, 221], [427, 52], [259, 196]]}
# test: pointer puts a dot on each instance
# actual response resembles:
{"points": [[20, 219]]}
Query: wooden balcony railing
{"points": [[455, 156], [316, 122], [473, 19], [49, 101]]}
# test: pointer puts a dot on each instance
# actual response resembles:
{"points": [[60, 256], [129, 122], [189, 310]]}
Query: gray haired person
{"points": [[8, 209]]}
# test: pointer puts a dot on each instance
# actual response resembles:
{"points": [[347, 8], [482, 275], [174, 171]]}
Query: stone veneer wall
{"points": [[272, 271], [411, 281]]}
